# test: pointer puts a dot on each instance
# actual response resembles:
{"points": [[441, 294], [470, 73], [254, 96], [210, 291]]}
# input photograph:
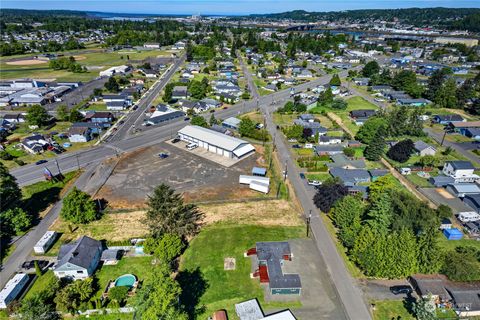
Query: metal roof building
{"points": [[216, 142]]}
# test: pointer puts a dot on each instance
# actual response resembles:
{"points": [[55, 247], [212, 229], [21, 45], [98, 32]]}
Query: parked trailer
{"points": [[244, 179], [259, 186], [468, 216], [45, 242], [12, 289]]}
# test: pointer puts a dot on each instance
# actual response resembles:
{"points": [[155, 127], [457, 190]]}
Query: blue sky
{"points": [[229, 6]]}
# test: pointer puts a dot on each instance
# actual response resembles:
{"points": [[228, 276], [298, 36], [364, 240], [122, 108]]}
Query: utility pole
{"points": [[285, 172], [264, 129], [309, 218], [443, 138], [78, 162], [58, 167]]}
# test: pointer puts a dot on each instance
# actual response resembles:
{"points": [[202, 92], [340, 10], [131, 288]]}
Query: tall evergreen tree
{"points": [[347, 214], [379, 216], [446, 96], [167, 213], [429, 252], [10, 193], [375, 148]]}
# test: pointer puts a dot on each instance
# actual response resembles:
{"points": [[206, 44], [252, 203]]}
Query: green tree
{"points": [[37, 115], [428, 161], [166, 248], [199, 121], [294, 132], [212, 120], [462, 264], [62, 112], [167, 213], [401, 151], [78, 207], [368, 130], [15, 221], [325, 97], [371, 68], [75, 116], [349, 152], [424, 308], [381, 185], [329, 193], [380, 215], [37, 308], [375, 148], [406, 80], [118, 294], [346, 214], [446, 95], [10, 193], [38, 271], [112, 85], [197, 89], [167, 93], [429, 252], [339, 104], [335, 81], [158, 299], [246, 128]]}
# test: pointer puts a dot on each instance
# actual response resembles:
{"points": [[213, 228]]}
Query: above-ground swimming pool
{"points": [[127, 280]]}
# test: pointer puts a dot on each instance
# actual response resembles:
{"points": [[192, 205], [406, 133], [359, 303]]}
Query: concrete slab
{"points": [[204, 153], [441, 196]]}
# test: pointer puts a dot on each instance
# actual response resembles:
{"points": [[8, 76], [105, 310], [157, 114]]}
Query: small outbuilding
{"points": [[256, 171], [453, 234]]}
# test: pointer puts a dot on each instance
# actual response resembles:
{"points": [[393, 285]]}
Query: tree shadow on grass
{"points": [[40, 201], [408, 303], [193, 286]]}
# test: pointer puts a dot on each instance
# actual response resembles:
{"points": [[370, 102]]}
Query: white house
{"points": [[216, 142], [424, 149], [461, 171], [79, 134], [151, 45], [78, 260], [114, 71], [11, 290]]}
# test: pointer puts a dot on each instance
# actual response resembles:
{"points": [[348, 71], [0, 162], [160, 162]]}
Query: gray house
{"points": [[78, 260], [350, 176], [424, 149]]}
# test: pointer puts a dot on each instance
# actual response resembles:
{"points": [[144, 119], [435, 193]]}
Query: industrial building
{"points": [[216, 142]]}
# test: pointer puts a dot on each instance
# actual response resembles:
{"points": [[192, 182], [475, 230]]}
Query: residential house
{"points": [[329, 149], [14, 117], [151, 45], [461, 171], [462, 127], [413, 102], [473, 133], [446, 119], [102, 117], [164, 113], [441, 180], [424, 149], [117, 98], [361, 115], [270, 259], [95, 127], [350, 176], [149, 73], [117, 105], [342, 161], [473, 201], [231, 123], [179, 92], [35, 144], [79, 134], [460, 190], [361, 81], [311, 124], [326, 140], [270, 87], [78, 260]]}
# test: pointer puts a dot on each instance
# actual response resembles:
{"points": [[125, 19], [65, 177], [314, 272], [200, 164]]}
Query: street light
{"points": [[309, 218]]}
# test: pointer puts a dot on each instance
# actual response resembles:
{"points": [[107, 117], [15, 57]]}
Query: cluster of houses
{"points": [[455, 123], [27, 92]]}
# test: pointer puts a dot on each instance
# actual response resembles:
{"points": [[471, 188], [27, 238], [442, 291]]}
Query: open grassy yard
{"points": [[357, 103], [207, 286], [41, 283], [141, 267], [386, 310]]}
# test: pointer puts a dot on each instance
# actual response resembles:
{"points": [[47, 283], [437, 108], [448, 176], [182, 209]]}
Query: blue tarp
{"points": [[256, 171], [453, 234]]}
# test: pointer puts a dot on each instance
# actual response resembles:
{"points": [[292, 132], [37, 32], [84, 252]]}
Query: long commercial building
{"points": [[216, 142]]}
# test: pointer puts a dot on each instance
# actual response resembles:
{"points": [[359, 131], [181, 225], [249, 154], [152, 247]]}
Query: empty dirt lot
{"points": [[197, 178]]}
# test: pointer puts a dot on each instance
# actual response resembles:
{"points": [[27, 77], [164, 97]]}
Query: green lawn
{"points": [[141, 267], [304, 152], [208, 287], [387, 310], [318, 176], [449, 245], [356, 103], [41, 283], [116, 316]]}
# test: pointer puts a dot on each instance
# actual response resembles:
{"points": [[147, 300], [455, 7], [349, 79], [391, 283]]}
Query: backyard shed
{"points": [[256, 171], [453, 234]]}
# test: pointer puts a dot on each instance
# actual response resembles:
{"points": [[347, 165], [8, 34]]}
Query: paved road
{"points": [[135, 118], [24, 245], [349, 293]]}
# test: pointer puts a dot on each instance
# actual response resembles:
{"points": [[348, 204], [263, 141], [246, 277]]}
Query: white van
{"points": [[468, 216], [308, 146], [191, 146]]}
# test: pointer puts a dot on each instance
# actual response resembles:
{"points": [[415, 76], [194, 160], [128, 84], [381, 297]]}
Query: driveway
{"points": [[437, 196]]}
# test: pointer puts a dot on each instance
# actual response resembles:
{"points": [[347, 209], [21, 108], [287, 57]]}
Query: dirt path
{"points": [[339, 121]]}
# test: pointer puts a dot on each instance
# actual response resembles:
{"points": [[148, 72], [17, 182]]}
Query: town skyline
{"points": [[230, 8]]}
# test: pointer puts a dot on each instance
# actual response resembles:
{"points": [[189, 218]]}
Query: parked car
{"points": [[296, 146], [401, 289], [135, 107], [176, 140], [186, 119], [308, 145], [225, 108], [163, 155], [121, 122], [314, 183], [191, 146], [39, 162], [302, 176]]}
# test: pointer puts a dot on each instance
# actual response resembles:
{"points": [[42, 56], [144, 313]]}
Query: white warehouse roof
{"points": [[237, 146]]}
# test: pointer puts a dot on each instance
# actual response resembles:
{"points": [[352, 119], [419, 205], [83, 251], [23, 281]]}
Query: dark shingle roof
{"points": [[80, 253], [461, 165]]}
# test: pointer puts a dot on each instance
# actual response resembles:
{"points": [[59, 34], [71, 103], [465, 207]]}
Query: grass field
{"points": [[41, 283], [387, 310], [206, 285], [99, 59]]}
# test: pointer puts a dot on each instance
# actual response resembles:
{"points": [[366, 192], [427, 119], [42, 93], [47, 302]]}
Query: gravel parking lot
{"points": [[198, 178]]}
